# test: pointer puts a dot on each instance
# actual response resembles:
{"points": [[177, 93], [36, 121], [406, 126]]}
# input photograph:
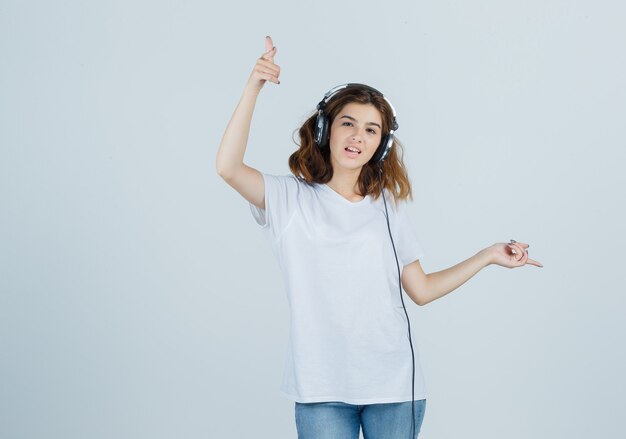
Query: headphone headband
{"points": [[333, 91]]}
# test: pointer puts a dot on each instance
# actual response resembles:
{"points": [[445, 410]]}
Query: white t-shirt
{"points": [[348, 338]]}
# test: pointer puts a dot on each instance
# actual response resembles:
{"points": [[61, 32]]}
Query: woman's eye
{"points": [[347, 123], [373, 131]]}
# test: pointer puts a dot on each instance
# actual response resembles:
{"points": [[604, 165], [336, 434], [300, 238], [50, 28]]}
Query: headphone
{"points": [[322, 124]]}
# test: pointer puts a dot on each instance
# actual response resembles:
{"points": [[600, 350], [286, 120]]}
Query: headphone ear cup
{"points": [[383, 149], [321, 129], [325, 131]]}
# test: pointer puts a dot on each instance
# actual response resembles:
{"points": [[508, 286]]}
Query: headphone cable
{"points": [[380, 179]]}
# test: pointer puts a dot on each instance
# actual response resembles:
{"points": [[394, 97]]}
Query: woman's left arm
{"points": [[424, 288]]}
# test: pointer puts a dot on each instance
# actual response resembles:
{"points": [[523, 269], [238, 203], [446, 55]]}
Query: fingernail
{"points": [[512, 240]]}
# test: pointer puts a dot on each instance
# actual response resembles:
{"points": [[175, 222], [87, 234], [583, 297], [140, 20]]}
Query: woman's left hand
{"points": [[512, 255]]}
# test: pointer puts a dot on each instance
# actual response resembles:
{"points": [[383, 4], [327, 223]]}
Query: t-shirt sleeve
{"points": [[281, 195], [409, 247]]}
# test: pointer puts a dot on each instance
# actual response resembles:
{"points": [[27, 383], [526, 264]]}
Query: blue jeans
{"points": [[338, 420]]}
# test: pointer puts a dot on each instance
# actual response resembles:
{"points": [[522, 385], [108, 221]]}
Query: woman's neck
{"points": [[346, 184]]}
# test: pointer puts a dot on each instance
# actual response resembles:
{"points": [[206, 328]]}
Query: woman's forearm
{"points": [[443, 282], [233, 145]]}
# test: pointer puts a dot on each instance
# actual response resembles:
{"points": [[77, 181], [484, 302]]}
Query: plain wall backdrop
{"points": [[138, 297]]}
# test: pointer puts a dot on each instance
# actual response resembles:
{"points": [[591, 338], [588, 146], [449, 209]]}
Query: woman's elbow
{"points": [[418, 297], [420, 300], [225, 170]]}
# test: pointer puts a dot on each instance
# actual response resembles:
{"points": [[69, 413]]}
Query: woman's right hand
{"points": [[265, 69]]}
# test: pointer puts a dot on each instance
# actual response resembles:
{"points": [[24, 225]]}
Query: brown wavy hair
{"points": [[312, 163]]}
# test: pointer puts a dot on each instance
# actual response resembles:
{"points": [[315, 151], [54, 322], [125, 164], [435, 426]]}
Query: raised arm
{"points": [[229, 162]]}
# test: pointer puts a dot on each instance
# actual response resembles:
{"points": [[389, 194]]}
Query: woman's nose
{"points": [[357, 137]]}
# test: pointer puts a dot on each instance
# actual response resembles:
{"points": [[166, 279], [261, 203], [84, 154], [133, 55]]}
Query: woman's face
{"points": [[354, 135]]}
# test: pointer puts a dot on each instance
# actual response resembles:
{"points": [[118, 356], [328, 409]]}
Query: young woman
{"points": [[339, 229]]}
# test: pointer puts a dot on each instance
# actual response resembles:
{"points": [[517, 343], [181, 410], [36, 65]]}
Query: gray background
{"points": [[139, 298]]}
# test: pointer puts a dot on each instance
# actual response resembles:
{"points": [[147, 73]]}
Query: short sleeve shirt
{"points": [[348, 337]]}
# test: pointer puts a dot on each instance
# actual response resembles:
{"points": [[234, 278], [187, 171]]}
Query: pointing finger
{"points": [[269, 55], [268, 43], [533, 262]]}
